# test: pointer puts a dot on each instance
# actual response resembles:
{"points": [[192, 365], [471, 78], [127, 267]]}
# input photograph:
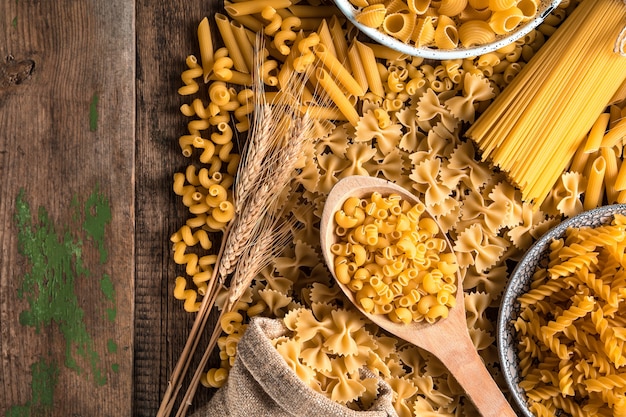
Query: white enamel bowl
{"points": [[545, 8]]}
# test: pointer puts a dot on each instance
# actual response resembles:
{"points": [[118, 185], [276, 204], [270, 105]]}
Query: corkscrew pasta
{"points": [[568, 326]]}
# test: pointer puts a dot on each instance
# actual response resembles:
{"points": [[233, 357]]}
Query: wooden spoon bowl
{"points": [[447, 339]]}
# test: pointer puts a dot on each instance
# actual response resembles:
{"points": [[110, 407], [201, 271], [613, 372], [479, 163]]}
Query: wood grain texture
{"points": [[67, 135], [166, 34]]}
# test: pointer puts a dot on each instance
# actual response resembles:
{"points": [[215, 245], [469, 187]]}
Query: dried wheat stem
{"points": [[270, 242], [184, 361], [257, 149]]}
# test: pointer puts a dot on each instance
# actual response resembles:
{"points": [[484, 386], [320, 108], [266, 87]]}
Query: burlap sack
{"points": [[261, 384]]}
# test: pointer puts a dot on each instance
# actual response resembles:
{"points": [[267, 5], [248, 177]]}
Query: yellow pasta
{"points": [[368, 62], [570, 347], [475, 32], [337, 70], [399, 282], [205, 43], [399, 25], [594, 139], [595, 184], [446, 34], [254, 6], [504, 21], [228, 37], [452, 7], [615, 135], [577, 66], [336, 95]]}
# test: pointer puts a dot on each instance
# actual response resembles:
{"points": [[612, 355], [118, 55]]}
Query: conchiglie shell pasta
{"points": [[359, 3], [479, 4], [424, 32], [500, 5], [452, 7], [476, 32], [396, 6], [528, 8], [446, 34], [503, 22], [470, 13], [418, 6], [372, 16], [399, 25]]}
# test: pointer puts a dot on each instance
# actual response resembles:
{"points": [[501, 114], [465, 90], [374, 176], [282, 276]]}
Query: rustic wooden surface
{"points": [[89, 124]]}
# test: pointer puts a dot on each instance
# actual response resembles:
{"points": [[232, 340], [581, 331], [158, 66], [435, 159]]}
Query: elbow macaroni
{"points": [[389, 254]]}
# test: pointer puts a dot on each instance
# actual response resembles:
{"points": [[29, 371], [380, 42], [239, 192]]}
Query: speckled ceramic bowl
{"points": [[545, 8], [519, 284]]}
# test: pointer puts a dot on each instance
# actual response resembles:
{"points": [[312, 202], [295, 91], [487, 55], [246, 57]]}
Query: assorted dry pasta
{"points": [[376, 113]]}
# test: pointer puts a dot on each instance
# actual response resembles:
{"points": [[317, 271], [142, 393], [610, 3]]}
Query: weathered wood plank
{"points": [[166, 34], [67, 147]]}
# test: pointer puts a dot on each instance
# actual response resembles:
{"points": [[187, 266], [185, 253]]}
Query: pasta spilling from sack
{"points": [[571, 330], [533, 129], [395, 259]]}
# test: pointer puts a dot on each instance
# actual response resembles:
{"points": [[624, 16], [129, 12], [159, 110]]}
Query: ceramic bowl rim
{"points": [[544, 10]]}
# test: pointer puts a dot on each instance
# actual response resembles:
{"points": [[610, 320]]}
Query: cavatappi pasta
{"points": [[570, 328], [392, 256], [411, 117]]}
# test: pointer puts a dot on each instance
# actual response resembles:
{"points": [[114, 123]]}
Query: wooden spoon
{"points": [[447, 339]]}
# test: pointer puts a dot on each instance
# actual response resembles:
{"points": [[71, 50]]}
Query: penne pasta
{"points": [[337, 96], [337, 70], [594, 139], [223, 25], [595, 184], [205, 43], [368, 61]]}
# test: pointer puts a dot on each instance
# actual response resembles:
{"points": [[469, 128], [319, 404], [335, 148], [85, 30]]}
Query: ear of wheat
{"points": [[277, 140]]}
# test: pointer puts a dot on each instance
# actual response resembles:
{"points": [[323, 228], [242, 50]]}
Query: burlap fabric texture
{"points": [[262, 384]]}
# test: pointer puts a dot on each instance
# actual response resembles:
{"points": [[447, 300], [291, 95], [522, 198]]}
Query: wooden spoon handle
{"points": [[468, 369]]}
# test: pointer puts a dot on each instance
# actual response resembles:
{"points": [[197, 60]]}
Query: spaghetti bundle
{"points": [[533, 128]]}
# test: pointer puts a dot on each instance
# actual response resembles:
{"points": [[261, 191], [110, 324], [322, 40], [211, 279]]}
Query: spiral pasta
{"points": [[584, 346]]}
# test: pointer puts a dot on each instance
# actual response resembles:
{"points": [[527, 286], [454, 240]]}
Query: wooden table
{"points": [[89, 123]]}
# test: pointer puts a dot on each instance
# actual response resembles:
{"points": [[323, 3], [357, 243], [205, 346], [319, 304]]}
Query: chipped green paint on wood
{"points": [[106, 285], [93, 113], [45, 376], [55, 258], [97, 216], [111, 346]]}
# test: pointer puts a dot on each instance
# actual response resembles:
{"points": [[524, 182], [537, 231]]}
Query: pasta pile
{"points": [[571, 326], [405, 124], [597, 174], [393, 257], [447, 24], [533, 129]]}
